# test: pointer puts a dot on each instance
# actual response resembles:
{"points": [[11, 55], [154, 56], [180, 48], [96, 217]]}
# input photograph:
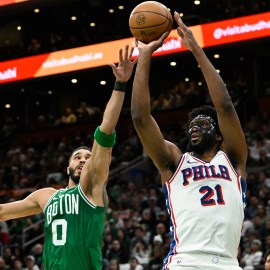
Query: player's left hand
{"points": [[185, 33], [123, 70]]}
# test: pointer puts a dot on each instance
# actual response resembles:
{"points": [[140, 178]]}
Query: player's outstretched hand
{"points": [[153, 45], [123, 70], [185, 33]]}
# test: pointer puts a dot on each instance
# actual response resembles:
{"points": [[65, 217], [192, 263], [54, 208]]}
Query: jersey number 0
{"points": [[59, 232]]}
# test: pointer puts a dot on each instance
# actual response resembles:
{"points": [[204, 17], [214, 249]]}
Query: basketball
{"points": [[149, 20]]}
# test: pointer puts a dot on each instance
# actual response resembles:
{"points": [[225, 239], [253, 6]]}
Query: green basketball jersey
{"points": [[74, 231]]}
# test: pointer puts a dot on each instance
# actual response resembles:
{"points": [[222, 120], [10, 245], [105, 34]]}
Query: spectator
{"points": [[86, 112], [156, 259], [118, 253], [30, 263], [133, 264], [139, 234], [3, 265], [37, 252], [17, 265], [68, 117], [114, 265], [253, 257], [141, 251]]}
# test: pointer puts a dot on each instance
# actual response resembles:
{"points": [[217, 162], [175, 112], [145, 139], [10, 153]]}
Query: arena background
{"points": [[43, 114]]}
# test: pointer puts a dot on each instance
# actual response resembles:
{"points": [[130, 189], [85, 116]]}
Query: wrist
{"points": [[119, 86]]}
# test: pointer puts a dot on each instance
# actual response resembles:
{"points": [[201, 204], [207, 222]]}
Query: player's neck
{"points": [[207, 156], [71, 184]]}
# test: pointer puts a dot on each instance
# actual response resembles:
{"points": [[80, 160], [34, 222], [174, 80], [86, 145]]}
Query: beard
{"points": [[74, 178], [204, 145]]}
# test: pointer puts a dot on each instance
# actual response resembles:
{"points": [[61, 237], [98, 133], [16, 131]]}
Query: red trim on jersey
{"points": [[177, 170], [238, 183], [199, 160], [236, 174]]}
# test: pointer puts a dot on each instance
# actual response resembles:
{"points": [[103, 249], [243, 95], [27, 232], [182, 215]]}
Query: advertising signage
{"points": [[208, 35]]}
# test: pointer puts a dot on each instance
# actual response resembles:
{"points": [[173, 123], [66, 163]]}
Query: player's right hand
{"points": [[153, 45]]}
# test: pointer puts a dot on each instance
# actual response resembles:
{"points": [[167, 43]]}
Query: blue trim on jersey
{"points": [[244, 190], [178, 164], [173, 243]]}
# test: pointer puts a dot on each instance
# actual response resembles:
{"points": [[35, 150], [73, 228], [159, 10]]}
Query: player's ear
{"points": [[68, 170]]}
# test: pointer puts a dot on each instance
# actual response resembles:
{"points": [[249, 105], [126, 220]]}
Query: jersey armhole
{"points": [[84, 197], [50, 199]]}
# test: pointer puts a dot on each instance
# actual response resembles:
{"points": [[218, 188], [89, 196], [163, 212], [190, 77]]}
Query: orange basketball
{"points": [[149, 20]]}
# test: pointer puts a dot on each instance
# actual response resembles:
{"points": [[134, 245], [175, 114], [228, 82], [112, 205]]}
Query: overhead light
{"points": [[216, 55], [111, 10], [73, 18], [7, 106], [173, 64], [92, 24], [197, 2], [103, 82], [50, 92], [186, 79], [121, 7], [74, 80], [19, 28], [36, 10]]}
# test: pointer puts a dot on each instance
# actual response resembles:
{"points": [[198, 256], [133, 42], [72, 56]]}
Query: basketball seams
{"points": [[148, 11], [148, 27], [149, 20], [156, 25]]}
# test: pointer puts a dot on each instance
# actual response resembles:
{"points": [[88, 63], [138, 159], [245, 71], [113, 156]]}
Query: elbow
{"points": [[137, 118], [227, 106]]}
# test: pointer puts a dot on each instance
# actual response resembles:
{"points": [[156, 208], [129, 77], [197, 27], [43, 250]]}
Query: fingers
{"points": [[126, 53], [120, 55], [112, 65], [164, 36], [179, 20]]}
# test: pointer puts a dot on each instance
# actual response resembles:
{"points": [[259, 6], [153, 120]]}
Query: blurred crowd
{"points": [[136, 234]]}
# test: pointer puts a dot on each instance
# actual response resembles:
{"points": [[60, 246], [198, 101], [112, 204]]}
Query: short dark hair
{"points": [[78, 148], [204, 110]]}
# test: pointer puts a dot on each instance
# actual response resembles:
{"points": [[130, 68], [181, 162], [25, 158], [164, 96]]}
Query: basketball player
{"points": [[74, 216], [204, 188]]}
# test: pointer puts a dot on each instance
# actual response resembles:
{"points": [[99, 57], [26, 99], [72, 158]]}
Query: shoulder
{"points": [[174, 150], [42, 196]]}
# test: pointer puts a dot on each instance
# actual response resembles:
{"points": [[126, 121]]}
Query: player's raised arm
{"points": [[233, 137], [163, 153], [96, 170]]}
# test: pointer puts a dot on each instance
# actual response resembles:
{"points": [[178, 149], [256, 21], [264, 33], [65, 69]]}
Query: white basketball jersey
{"points": [[205, 201]]}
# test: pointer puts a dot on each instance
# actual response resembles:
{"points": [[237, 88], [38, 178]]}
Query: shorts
{"points": [[202, 262]]}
